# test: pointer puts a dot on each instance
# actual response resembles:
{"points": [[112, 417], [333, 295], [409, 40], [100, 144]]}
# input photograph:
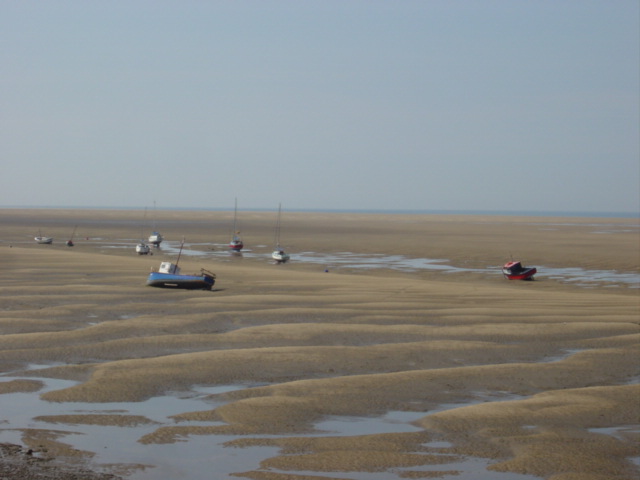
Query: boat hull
{"points": [[44, 240], [170, 280], [236, 246], [280, 257]]}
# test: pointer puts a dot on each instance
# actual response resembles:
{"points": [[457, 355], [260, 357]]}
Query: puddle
{"points": [[394, 262], [563, 355], [590, 278], [392, 422], [619, 432], [467, 469]]}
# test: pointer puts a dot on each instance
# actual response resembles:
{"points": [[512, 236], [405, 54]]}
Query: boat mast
{"points": [[277, 239], [154, 216], [142, 227], [235, 215], [180, 252]]}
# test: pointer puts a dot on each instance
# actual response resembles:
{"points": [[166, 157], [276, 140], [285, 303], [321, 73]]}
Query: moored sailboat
{"points": [[155, 238], [42, 240], [70, 241], [236, 241], [142, 248], [278, 254]]}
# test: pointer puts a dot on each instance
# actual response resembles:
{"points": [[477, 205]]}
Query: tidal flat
{"points": [[331, 366]]}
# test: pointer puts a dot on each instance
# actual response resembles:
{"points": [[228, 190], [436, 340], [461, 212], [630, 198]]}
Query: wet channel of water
{"points": [[351, 260], [195, 456]]}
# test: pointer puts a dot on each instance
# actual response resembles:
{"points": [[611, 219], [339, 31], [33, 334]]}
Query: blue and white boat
{"points": [[169, 276]]}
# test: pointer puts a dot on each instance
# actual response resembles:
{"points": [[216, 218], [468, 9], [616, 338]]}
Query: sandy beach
{"points": [[537, 379]]}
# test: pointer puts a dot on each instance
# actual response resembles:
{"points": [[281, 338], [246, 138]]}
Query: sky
{"points": [[499, 105]]}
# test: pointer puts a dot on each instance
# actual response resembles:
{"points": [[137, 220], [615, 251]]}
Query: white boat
{"points": [[155, 238], [236, 241], [278, 254], [43, 240], [142, 248]]}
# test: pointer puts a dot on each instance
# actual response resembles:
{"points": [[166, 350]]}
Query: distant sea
{"points": [[518, 213]]}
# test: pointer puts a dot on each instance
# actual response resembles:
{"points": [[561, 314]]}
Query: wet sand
{"points": [[543, 375]]}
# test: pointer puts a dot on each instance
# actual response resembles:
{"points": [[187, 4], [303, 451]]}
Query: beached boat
{"points": [[70, 241], [42, 240], [515, 271], [155, 238], [278, 254], [236, 241], [142, 248], [169, 276]]}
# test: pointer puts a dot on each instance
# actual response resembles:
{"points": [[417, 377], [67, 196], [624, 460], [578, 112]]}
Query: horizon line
{"points": [[536, 213]]}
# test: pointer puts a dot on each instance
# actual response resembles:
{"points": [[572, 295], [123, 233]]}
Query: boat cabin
{"points": [[168, 267], [514, 267]]}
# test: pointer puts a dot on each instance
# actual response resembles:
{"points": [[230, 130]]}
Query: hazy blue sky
{"points": [[336, 104]]}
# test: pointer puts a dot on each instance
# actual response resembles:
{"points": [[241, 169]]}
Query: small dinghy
{"points": [[515, 271]]}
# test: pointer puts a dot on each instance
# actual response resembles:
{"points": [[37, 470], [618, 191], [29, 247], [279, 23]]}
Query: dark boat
{"points": [[70, 241], [515, 271]]}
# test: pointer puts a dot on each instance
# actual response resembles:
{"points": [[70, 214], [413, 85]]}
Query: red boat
{"points": [[236, 243], [515, 271]]}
